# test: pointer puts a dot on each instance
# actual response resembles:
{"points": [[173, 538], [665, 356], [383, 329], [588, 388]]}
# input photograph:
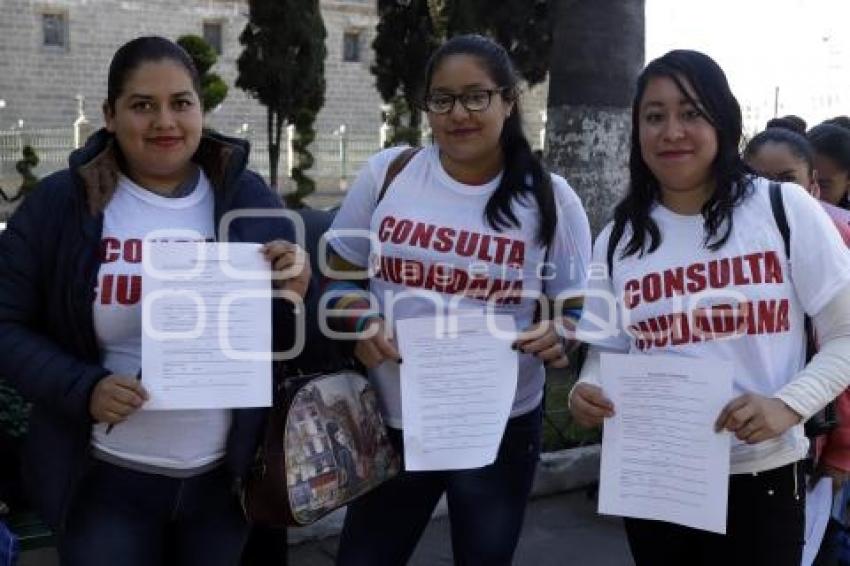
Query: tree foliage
{"points": [[282, 65], [410, 30], [24, 168], [213, 87], [405, 39], [523, 27]]}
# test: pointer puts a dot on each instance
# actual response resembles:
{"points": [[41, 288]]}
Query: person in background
{"points": [[693, 204], [832, 162], [789, 122], [161, 486], [787, 157], [841, 121]]}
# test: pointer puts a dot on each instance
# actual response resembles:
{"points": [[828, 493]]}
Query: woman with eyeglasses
{"points": [[471, 217]]}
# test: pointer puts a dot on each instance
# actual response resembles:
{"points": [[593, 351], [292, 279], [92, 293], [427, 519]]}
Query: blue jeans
{"points": [[486, 506], [8, 546], [121, 516]]}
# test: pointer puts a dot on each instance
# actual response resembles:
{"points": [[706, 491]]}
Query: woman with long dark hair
{"points": [[472, 217], [693, 205]]}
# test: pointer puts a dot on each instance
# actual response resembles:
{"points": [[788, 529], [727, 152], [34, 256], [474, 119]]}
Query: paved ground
{"points": [[561, 530]]}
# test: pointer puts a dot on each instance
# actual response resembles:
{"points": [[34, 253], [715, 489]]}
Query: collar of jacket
{"points": [[222, 158]]}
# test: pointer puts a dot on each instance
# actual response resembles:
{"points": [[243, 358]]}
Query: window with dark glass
{"points": [[213, 35], [351, 46], [55, 28]]}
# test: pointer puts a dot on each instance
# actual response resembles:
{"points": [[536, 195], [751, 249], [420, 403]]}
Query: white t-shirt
{"points": [[744, 303], [435, 245], [167, 439]]}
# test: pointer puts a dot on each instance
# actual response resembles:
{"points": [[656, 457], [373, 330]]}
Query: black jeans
{"points": [[486, 506], [121, 516], [765, 526]]}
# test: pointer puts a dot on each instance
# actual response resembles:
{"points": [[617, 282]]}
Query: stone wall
{"points": [[39, 83]]}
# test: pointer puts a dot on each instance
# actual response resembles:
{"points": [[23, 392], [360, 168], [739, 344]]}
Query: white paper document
{"points": [[457, 389], [206, 326], [661, 458]]}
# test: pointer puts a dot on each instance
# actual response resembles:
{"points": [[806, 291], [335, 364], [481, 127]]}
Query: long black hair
{"points": [[713, 97], [523, 173], [136, 52]]}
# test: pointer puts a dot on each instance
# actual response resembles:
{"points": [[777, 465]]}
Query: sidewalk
{"points": [[560, 530]]}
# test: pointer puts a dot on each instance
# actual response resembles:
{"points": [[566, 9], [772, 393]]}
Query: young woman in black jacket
{"points": [[70, 325]]}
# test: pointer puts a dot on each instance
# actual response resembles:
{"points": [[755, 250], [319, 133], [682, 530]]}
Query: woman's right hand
{"points": [[589, 406], [115, 398], [375, 346]]}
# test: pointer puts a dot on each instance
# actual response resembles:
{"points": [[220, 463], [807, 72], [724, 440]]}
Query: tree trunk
{"points": [[598, 52]]}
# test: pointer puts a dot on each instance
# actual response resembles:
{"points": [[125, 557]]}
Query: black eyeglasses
{"points": [[477, 100]]}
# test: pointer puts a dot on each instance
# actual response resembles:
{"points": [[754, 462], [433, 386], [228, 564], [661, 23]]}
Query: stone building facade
{"points": [[53, 50]]}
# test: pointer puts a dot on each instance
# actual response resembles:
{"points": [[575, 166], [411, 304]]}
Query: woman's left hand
{"points": [[754, 418], [543, 341], [291, 266]]}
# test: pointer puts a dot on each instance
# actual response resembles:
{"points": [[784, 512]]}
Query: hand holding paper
{"points": [[589, 405], [661, 458], [206, 320], [754, 418], [457, 389]]}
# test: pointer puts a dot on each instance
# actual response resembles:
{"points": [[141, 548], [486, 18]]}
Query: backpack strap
{"points": [[396, 165], [778, 208]]}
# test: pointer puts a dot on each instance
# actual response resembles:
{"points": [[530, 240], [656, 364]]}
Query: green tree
{"points": [[213, 87], [13, 412], [282, 65], [410, 30], [523, 27], [405, 40]]}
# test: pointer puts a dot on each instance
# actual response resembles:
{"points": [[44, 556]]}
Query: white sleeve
{"points": [[349, 233], [828, 373], [570, 250], [820, 262], [600, 318]]}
